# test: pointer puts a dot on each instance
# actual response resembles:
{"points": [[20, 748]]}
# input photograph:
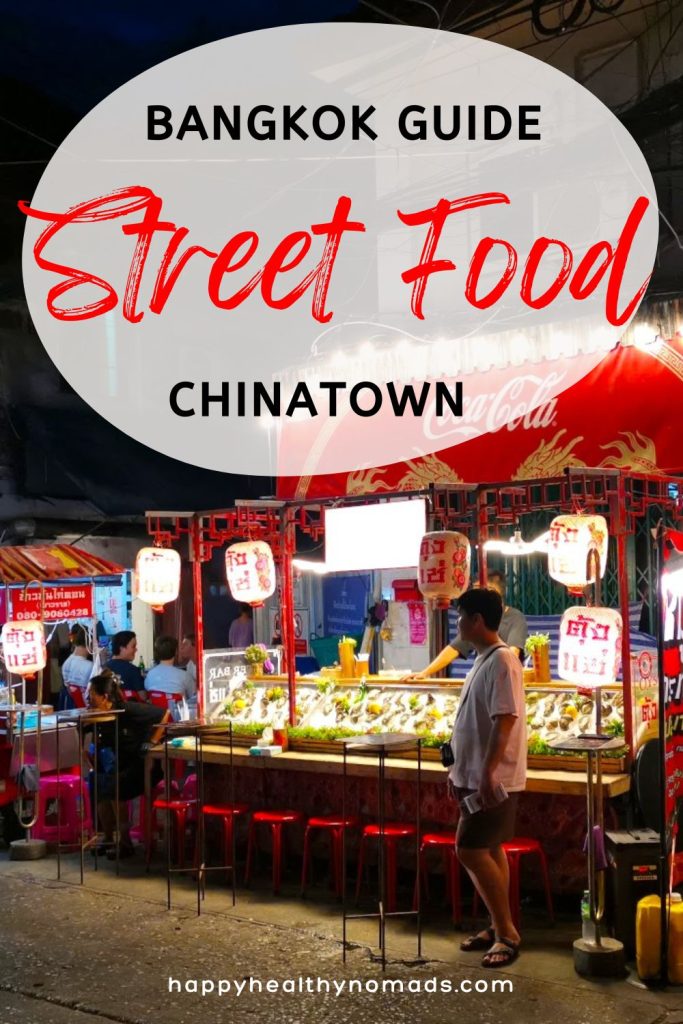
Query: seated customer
{"points": [[166, 677], [124, 647], [77, 668], [139, 725]]}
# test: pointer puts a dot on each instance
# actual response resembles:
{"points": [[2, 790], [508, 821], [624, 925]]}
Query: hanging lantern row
{"points": [[576, 544], [250, 571], [157, 576], [590, 646], [23, 647], [444, 569]]}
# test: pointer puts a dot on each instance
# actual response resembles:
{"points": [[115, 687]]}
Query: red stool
{"points": [[180, 806], [276, 819], [444, 841], [336, 824], [390, 835], [228, 812], [514, 850]]}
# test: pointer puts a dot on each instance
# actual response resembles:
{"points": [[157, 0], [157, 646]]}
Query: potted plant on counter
{"points": [[256, 657], [538, 647]]}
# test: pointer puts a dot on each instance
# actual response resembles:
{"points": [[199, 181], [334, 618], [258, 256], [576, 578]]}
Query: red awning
{"points": [[46, 564], [624, 415]]}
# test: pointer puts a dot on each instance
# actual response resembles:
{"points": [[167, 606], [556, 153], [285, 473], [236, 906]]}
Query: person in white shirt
{"points": [[489, 746], [166, 677], [77, 668]]}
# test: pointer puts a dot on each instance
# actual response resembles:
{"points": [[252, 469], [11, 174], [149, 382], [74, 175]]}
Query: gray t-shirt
{"points": [[171, 680], [493, 687], [513, 630]]}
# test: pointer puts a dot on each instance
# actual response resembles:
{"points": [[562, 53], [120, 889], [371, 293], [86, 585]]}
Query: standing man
{"points": [[241, 633], [512, 630], [490, 747], [124, 647]]}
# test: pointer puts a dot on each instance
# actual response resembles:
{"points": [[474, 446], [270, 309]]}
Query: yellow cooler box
{"points": [[648, 938]]}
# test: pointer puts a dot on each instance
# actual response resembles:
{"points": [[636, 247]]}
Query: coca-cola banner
{"points": [[672, 667], [615, 417]]}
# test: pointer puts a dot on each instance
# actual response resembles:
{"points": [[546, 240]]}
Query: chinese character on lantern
{"points": [[590, 646], [157, 574], [444, 569], [571, 543], [23, 647], [250, 570]]}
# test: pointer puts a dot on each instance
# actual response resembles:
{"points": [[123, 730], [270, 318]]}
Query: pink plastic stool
{"points": [[390, 835], [60, 797], [276, 820]]}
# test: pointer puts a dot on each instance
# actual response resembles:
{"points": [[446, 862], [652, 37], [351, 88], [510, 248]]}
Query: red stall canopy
{"points": [[625, 415]]}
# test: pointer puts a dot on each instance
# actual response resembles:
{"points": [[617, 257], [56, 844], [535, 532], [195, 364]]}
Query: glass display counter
{"points": [[329, 708]]}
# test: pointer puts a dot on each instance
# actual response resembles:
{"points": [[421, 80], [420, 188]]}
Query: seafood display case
{"points": [[327, 709]]}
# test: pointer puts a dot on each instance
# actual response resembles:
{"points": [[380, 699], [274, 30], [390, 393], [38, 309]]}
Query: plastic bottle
{"points": [[648, 938], [587, 926], [141, 666]]}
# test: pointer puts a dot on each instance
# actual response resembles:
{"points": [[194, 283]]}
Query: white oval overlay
{"points": [[578, 183]]}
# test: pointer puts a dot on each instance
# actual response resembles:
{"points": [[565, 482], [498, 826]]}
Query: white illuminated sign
{"points": [[382, 536]]}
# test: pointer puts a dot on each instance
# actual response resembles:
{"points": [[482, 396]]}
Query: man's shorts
{"points": [[486, 828]]}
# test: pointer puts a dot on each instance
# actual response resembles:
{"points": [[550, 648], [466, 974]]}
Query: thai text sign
{"points": [[672, 669], [52, 604]]}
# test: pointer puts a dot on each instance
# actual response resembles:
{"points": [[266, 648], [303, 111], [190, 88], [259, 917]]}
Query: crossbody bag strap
{"points": [[486, 657]]}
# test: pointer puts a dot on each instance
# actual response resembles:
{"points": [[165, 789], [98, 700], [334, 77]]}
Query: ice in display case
{"points": [[328, 708]]}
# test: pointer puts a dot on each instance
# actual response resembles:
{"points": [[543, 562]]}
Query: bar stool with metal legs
{"points": [[382, 745], [88, 720], [201, 734]]}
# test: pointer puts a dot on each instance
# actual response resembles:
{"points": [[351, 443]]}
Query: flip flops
{"points": [[476, 943], [501, 957]]}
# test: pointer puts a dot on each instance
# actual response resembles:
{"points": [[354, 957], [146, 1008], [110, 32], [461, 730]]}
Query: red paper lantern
{"points": [[157, 574], [444, 569], [590, 646], [23, 646], [571, 541], [250, 571]]}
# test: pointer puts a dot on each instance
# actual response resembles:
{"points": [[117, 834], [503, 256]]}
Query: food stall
{"points": [[41, 587], [322, 707]]}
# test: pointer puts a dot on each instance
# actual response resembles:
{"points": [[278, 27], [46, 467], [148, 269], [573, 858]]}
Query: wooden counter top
{"points": [[538, 781]]}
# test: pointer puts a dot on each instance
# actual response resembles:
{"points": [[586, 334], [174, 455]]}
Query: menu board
{"points": [[226, 670]]}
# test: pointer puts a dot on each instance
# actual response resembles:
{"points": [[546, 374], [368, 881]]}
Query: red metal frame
{"points": [[484, 510]]}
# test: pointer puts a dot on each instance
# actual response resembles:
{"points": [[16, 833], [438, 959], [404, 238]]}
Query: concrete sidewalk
{"points": [[106, 951]]}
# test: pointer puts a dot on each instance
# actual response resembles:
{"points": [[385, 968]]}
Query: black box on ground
{"points": [[632, 874]]}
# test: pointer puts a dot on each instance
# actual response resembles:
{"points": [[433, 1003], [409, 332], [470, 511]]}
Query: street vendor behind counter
{"points": [[513, 630]]}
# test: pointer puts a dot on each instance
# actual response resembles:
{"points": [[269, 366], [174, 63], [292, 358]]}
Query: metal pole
{"points": [[418, 840], [344, 857], [198, 606], [625, 641], [59, 801], [658, 609], [287, 612], [381, 864]]}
